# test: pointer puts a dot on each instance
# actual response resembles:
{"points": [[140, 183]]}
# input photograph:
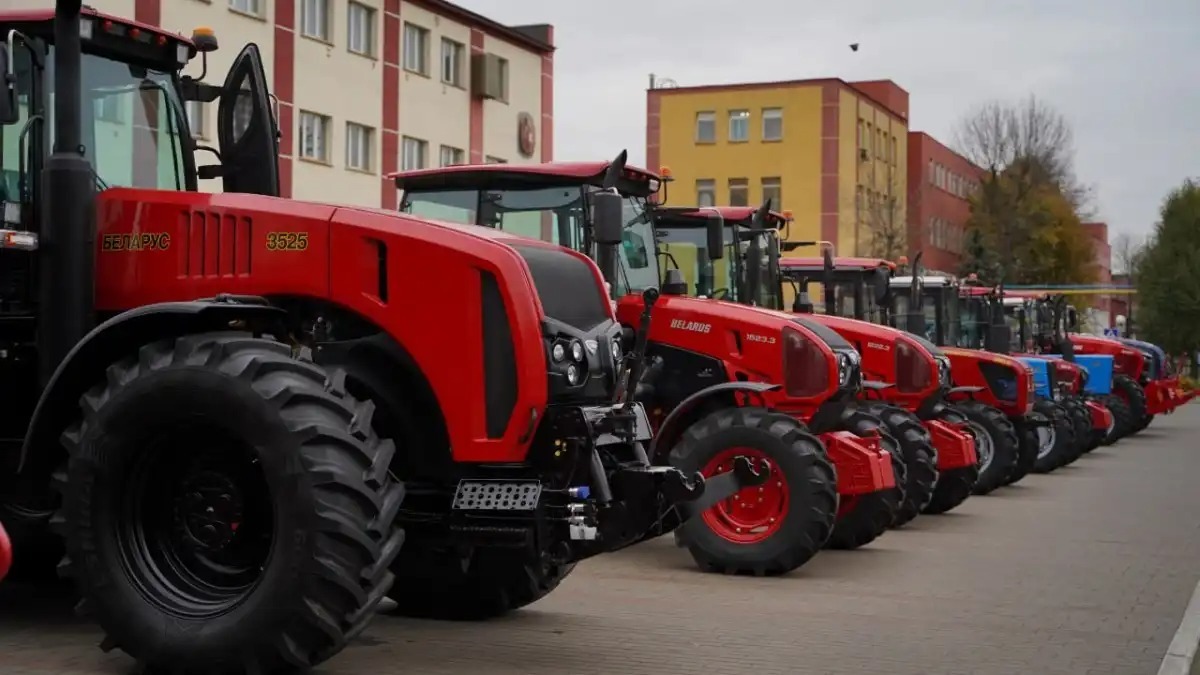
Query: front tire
{"points": [[998, 447], [227, 506], [1122, 419], [1056, 443], [767, 534], [920, 459], [863, 518], [485, 585], [1128, 390]]}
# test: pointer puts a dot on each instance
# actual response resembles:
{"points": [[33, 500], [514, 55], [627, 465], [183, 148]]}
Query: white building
{"points": [[366, 87]]}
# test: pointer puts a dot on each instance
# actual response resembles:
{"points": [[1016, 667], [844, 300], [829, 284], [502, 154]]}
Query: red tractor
{"points": [[906, 378], [726, 380], [230, 413], [993, 391], [5, 553]]}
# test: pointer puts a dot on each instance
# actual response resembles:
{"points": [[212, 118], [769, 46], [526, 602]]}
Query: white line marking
{"points": [[1182, 651]]}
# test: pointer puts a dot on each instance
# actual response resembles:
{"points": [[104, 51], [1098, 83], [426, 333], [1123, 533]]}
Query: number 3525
{"points": [[287, 241]]}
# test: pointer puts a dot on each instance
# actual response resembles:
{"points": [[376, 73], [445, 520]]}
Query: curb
{"points": [[1182, 651]]}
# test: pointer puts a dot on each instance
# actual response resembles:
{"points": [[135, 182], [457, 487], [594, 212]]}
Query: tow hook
{"points": [[721, 487]]}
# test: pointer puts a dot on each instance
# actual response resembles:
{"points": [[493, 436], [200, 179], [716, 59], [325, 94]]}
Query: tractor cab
{"points": [[744, 240], [855, 288]]}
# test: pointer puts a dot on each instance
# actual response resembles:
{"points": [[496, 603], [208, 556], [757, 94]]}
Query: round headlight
{"points": [[616, 350], [577, 350], [573, 376], [845, 369], [944, 371], [558, 352]]}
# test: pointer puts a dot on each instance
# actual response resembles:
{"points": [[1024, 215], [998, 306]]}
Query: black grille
{"points": [[566, 287]]}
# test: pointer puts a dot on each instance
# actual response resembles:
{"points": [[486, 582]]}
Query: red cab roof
{"points": [[469, 175], [732, 214], [840, 263], [39, 15]]}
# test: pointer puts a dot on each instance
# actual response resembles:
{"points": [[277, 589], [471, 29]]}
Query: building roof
{"points": [[926, 136], [537, 37], [784, 84]]}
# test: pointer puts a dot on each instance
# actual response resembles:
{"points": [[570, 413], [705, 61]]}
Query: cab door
{"points": [[246, 129]]}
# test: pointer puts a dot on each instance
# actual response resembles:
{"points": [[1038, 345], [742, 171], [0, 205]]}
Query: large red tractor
{"points": [[992, 390], [229, 413], [906, 379], [727, 380]]}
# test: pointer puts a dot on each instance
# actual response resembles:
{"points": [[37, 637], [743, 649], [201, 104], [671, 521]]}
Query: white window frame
{"points": [[452, 62], [773, 183], [315, 19], [251, 7], [709, 118], [448, 155], [416, 49], [706, 186], [360, 39], [414, 153], [772, 115], [741, 185], [360, 147], [740, 120], [319, 126]]}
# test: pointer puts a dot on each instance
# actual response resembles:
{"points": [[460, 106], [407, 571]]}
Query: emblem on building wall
{"points": [[526, 135]]}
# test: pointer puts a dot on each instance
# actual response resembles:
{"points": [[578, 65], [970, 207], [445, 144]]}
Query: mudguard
{"points": [[863, 466], [5, 553], [673, 425], [117, 337], [955, 447], [1102, 417]]}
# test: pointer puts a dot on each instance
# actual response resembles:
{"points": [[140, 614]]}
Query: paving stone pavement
{"points": [[1085, 571]]}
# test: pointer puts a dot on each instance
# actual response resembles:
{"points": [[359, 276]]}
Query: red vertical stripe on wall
{"points": [[548, 102], [284, 88], [476, 154], [389, 142], [830, 137]]}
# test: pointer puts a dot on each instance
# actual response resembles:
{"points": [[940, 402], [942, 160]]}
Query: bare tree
{"points": [[1028, 140], [1127, 252], [883, 222]]}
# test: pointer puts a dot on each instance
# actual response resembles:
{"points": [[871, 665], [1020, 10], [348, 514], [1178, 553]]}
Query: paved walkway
{"points": [[1084, 571]]}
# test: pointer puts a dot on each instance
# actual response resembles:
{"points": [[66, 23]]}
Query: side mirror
{"points": [[607, 213], [716, 242], [1072, 320], [883, 286], [10, 113]]}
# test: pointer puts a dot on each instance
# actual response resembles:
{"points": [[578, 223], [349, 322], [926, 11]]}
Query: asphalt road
{"points": [[1087, 570]]}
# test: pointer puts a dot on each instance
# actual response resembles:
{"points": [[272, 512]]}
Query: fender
{"points": [[672, 425], [875, 385], [91, 356], [964, 390]]}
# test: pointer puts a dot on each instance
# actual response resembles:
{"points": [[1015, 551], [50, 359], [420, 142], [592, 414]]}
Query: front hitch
{"points": [[723, 486]]}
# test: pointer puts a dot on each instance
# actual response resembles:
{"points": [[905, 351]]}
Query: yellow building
{"points": [[832, 152]]}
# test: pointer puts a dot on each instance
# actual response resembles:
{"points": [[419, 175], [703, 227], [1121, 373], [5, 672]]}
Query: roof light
{"points": [[204, 38], [665, 172], [787, 215]]}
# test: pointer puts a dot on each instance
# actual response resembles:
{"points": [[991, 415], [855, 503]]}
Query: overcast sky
{"points": [[1125, 73]]}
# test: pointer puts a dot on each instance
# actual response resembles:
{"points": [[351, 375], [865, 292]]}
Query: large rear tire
{"points": [[1056, 443], [920, 458], [863, 518], [997, 445], [226, 506], [1128, 390], [795, 516], [1081, 420], [1122, 419]]}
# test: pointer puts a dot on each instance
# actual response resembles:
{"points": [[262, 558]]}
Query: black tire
{"points": [[307, 445], [1143, 423], [1126, 388], [1062, 450], [953, 488], [865, 517], [997, 444], [1081, 420], [920, 458], [801, 459], [1122, 419], [488, 584], [1027, 433]]}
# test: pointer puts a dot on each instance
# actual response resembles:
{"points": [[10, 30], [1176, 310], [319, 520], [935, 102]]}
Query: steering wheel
{"points": [[720, 294]]}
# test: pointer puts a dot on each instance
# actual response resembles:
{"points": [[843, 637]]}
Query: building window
{"points": [[450, 156], [772, 124], [495, 160], [862, 134], [895, 152], [452, 59], [195, 118], [772, 188], [360, 29], [869, 144], [108, 108], [412, 153], [739, 126], [739, 192], [314, 19], [416, 49], [247, 6], [360, 146], [706, 192], [314, 136], [706, 127], [932, 173]]}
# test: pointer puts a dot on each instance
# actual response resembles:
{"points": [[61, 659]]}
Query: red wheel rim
{"points": [[754, 514], [5, 553]]}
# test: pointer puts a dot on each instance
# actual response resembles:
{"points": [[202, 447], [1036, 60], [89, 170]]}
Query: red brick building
{"points": [[940, 181], [1098, 232]]}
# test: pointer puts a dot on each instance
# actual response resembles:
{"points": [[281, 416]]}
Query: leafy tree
{"points": [[1168, 281]]}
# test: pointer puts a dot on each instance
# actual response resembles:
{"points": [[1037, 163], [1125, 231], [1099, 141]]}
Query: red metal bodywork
{"points": [[192, 245], [745, 340], [1126, 360], [6, 553], [965, 364], [1102, 417]]}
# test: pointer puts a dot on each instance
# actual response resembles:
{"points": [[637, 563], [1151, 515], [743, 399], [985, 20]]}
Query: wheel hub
{"points": [[753, 514], [1046, 437], [210, 510], [984, 448]]}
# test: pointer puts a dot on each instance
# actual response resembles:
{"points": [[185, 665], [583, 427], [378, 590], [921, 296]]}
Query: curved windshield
{"points": [[638, 259]]}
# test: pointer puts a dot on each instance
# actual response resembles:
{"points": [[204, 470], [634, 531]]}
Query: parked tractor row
{"points": [[233, 425]]}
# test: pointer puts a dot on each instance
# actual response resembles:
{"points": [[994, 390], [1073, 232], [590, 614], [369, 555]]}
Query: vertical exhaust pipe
{"points": [[66, 237]]}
